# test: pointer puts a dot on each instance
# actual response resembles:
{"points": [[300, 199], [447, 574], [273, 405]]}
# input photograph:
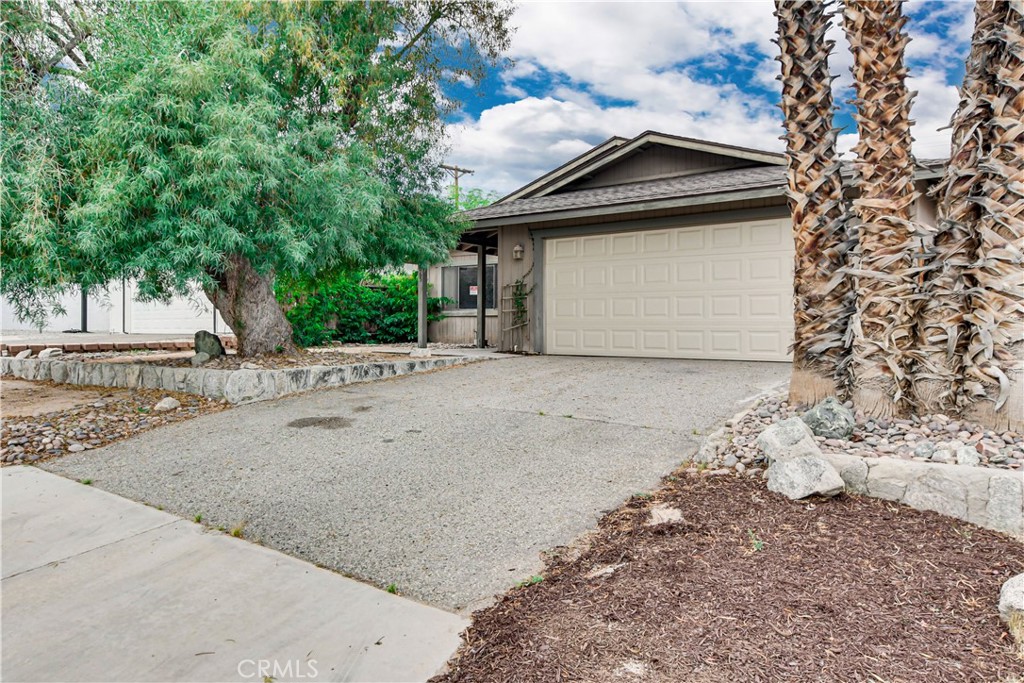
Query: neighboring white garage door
{"points": [[717, 291]]}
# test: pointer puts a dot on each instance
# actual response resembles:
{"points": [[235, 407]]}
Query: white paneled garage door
{"points": [[716, 291]]}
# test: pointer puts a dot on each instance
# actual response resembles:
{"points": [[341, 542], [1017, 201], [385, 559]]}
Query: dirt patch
{"points": [[751, 586], [42, 419], [23, 398], [332, 422]]}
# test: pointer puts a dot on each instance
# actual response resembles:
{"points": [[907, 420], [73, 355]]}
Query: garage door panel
{"points": [[624, 245], [726, 271], [656, 273], [624, 342], [727, 237], [656, 243], [624, 275], [721, 291]]}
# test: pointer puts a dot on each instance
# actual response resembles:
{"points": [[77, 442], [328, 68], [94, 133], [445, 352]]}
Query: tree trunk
{"points": [[822, 298], [890, 244], [245, 299], [994, 364], [942, 332]]}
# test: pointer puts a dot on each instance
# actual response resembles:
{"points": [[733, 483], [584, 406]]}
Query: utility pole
{"points": [[456, 172]]}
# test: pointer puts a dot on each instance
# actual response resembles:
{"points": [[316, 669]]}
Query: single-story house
{"points": [[657, 246]]}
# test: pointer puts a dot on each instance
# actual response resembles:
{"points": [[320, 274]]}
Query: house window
{"points": [[459, 285]]}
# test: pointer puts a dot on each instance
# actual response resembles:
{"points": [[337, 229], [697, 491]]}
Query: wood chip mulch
{"points": [[750, 586]]}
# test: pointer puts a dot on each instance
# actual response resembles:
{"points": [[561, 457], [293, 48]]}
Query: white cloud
{"points": [[620, 68]]}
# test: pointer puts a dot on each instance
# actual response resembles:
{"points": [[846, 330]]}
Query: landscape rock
{"points": [[208, 343], [966, 455], [852, 470], [664, 514], [24, 354], [804, 476], [788, 439], [247, 386], [1011, 607], [167, 403], [924, 449], [830, 419], [419, 353], [199, 359], [50, 353], [249, 366]]}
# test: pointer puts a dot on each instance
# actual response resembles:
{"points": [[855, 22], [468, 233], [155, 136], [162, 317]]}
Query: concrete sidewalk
{"points": [[98, 588]]}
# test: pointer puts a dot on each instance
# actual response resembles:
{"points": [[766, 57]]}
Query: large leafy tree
{"points": [[222, 144], [822, 292]]}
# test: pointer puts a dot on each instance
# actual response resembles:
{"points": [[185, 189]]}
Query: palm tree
{"points": [[822, 295], [994, 363], [942, 330], [889, 244]]}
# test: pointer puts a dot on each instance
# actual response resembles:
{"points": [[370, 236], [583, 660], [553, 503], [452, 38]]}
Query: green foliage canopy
{"points": [[357, 307], [300, 136]]}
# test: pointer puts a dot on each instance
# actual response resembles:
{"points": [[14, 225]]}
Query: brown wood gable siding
{"points": [[657, 161]]}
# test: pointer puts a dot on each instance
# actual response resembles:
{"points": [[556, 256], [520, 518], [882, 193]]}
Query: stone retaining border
{"points": [[234, 386], [991, 498]]}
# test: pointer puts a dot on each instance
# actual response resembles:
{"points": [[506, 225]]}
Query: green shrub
{"points": [[357, 307]]}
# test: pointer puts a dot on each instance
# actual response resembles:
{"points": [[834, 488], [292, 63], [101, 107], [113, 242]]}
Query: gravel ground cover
{"points": [[100, 417], [302, 359], [747, 585], [933, 438]]}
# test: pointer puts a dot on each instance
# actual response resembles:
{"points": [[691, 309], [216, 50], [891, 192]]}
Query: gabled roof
{"points": [[770, 178], [616, 149], [704, 188]]}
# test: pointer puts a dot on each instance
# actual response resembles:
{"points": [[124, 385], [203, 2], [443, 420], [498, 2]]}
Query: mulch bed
{"points": [[750, 586], [278, 361], [113, 415]]}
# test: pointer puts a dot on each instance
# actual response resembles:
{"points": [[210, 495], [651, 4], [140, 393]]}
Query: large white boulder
{"points": [[788, 439], [804, 476]]}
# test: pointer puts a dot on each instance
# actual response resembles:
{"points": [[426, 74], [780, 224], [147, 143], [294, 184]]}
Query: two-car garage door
{"points": [[714, 291]]}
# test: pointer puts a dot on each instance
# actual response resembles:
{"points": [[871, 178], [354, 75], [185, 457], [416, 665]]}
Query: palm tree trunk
{"points": [[942, 332], [994, 364], [886, 259], [821, 294]]}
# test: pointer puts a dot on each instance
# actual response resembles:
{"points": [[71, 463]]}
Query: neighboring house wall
{"points": [[459, 325], [118, 310]]}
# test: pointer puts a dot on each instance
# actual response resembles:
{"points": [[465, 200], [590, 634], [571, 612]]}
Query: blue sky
{"points": [[585, 71]]}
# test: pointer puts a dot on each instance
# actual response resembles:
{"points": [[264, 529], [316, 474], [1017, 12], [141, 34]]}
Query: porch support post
{"points": [[481, 297], [421, 301]]}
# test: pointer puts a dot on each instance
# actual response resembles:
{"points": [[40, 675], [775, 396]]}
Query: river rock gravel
{"points": [[110, 416], [931, 438]]}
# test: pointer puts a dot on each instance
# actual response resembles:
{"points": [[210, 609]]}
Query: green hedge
{"points": [[358, 307]]}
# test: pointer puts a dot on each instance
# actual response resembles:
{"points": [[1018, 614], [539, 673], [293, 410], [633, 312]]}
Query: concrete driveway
{"points": [[448, 484]]}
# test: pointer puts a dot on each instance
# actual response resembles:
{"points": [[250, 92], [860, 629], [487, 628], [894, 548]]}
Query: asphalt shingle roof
{"points": [[666, 188], [717, 182]]}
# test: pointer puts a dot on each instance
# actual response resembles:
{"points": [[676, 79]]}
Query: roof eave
{"points": [[651, 205]]}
